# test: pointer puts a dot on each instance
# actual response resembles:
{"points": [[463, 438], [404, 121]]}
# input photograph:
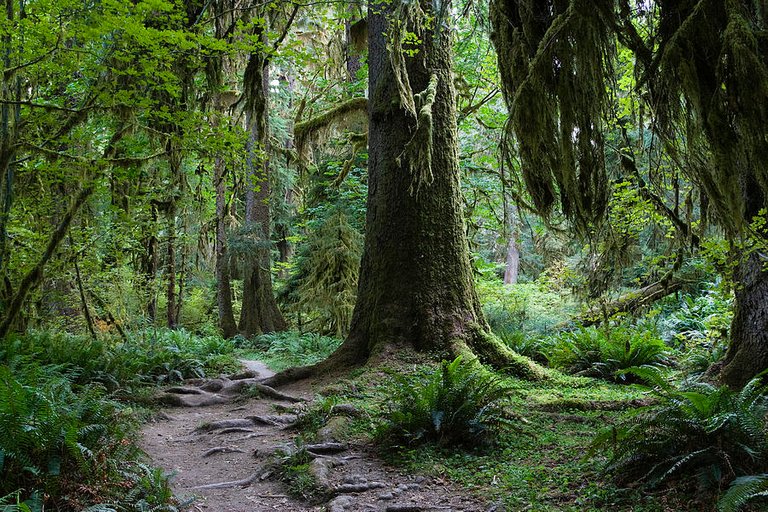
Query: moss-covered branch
{"points": [[304, 130]]}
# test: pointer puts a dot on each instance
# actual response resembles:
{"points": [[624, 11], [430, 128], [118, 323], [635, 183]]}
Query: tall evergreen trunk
{"points": [[151, 262], [223, 286], [10, 119], [415, 288], [175, 163], [748, 350], [415, 280], [259, 313]]}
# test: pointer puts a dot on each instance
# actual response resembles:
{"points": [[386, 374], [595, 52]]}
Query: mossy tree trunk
{"points": [[416, 283], [259, 313], [415, 288]]}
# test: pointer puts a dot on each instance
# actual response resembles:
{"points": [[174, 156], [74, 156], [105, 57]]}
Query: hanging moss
{"points": [[555, 58], [329, 273]]}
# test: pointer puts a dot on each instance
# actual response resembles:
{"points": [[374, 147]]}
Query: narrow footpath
{"points": [[222, 450]]}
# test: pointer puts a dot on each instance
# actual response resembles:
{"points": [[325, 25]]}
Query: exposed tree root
{"points": [[356, 488], [245, 482], [594, 405], [325, 448], [222, 449], [202, 392]]}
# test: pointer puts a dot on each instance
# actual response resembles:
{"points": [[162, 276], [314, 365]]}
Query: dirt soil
{"points": [[222, 449]]}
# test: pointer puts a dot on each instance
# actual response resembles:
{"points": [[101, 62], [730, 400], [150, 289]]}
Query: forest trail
{"points": [[222, 451]]}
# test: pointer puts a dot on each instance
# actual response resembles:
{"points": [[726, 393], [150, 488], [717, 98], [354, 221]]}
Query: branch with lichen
{"points": [[304, 130]]}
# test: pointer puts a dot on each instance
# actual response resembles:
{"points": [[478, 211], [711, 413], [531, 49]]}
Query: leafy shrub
{"points": [[713, 433], [702, 320], [596, 352], [283, 350], [152, 356], [458, 404], [527, 307]]}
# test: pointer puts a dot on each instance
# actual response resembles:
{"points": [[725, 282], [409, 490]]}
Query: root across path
{"points": [[224, 452]]}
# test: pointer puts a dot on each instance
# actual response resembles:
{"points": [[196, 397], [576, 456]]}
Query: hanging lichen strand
{"points": [[555, 59], [406, 26], [714, 54]]}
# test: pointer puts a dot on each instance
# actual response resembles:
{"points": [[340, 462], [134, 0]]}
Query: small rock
{"points": [[339, 504], [386, 496]]}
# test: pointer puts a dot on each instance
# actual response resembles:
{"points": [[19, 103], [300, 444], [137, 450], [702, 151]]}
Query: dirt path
{"points": [[222, 452]]}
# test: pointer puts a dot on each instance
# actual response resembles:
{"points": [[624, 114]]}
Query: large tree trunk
{"points": [[416, 288], [259, 311], [415, 282], [748, 352]]}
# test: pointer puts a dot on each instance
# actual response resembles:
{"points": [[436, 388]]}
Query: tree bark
{"points": [[259, 312], [416, 288], [748, 351], [223, 286]]}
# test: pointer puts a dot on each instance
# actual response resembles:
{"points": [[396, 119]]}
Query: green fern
{"points": [[458, 404], [743, 490], [696, 429], [605, 353]]}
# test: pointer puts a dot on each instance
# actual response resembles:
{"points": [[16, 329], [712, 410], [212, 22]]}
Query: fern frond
{"points": [[741, 491]]}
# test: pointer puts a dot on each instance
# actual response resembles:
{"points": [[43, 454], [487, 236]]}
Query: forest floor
{"points": [[232, 453]]}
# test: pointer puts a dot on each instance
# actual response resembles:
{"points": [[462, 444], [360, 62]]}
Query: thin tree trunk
{"points": [[33, 277], [223, 287], [151, 265], [512, 262], [182, 268], [83, 299]]}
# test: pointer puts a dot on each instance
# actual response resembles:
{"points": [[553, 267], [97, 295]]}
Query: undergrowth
{"points": [[604, 352], [697, 430], [68, 447], [459, 404], [281, 350]]}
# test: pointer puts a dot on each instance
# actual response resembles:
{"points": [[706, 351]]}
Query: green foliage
{"points": [[281, 350], [743, 490], [148, 357], [696, 429], [701, 320], [67, 448], [532, 308], [604, 352], [457, 404], [528, 345], [293, 469]]}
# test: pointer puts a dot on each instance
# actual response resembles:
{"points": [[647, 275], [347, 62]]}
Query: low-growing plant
{"points": [[696, 429], [604, 352], [743, 490], [293, 469], [526, 344], [283, 350], [704, 319], [146, 357], [459, 403]]}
